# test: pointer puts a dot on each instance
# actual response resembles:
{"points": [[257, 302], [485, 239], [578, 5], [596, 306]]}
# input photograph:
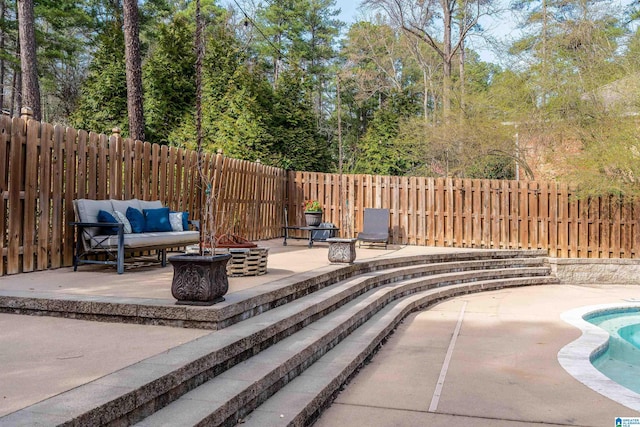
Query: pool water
{"points": [[631, 333], [621, 359]]}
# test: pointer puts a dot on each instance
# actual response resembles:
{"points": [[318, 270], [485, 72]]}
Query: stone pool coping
{"points": [[576, 356]]}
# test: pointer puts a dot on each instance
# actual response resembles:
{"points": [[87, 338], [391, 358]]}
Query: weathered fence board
{"points": [[44, 204], [16, 180], [5, 137]]}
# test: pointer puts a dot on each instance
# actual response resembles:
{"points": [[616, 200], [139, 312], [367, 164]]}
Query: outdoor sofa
{"points": [[115, 227]]}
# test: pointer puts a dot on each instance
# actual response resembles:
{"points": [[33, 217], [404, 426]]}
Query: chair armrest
{"points": [[95, 224], [82, 225]]}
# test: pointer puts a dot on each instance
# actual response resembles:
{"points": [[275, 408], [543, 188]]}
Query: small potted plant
{"points": [[312, 213]]}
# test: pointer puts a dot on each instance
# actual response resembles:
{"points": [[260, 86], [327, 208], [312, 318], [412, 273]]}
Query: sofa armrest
{"points": [[95, 224], [83, 237]]}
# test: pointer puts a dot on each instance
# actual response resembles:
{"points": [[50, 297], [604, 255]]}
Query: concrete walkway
{"points": [[503, 369]]}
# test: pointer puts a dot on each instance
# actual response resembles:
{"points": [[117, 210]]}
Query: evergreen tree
{"points": [[169, 77], [379, 151], [300, 35], [297, 142], [103, 100]]}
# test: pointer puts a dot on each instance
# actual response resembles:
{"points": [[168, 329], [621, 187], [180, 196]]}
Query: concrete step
{"points": [[251, 302], [142, 389], [247, 384]]}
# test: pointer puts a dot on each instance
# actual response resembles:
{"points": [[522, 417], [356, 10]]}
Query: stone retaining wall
{"points": [[596, 271]]}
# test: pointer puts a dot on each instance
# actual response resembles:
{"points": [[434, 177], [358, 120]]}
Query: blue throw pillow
{"points": [[104, 216], [185, 221], [156, 220], [136, 219]]}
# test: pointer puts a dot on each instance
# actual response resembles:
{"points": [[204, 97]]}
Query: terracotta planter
{"points": [[313, 219], [199, 280]]}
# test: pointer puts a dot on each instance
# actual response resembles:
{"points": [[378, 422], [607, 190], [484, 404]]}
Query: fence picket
{"points": [[112, 170], [449, 213], [5, 140], [552, 242], [625, 231], [81, 155], [103, 173], [57, 167], [44, 202], [486, 213], [68, 147], [441, 209], [16, 180], [92, 167], [30, 195], [533, 196]]}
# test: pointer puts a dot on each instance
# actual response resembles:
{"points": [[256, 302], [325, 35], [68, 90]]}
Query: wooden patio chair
{"points": [[375, 227]]}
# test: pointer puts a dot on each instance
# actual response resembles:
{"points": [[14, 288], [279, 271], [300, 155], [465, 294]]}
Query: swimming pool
{"points": [[621, 360], [606, 357]]}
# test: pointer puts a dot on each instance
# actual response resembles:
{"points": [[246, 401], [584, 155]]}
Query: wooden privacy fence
{"points": [[475, 213], [43, 168]]}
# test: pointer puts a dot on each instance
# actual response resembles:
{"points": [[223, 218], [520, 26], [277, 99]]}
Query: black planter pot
{"points": [[313, 219], [199, 280]]}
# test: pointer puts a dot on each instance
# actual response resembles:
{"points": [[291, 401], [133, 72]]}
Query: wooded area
{"points": [[43, 168]]}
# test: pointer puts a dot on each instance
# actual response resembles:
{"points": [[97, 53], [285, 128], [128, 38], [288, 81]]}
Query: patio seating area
{"points": [[65, 368]]}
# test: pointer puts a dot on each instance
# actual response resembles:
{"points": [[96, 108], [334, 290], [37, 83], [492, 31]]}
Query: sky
{"points": [[348, 9], [498, 27]]}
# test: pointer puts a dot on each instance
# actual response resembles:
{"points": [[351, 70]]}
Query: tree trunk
{"points": [[276, 64], [28, 62], [425, 98], [3, 16], [16, 89], [446, 59], [133, 69], [199, 47], [462, 69]]}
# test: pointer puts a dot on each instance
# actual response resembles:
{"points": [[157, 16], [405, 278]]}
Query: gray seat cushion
{"points": [[322, 235], [122, 205], [154, 204], [376, 226], [87, 211], [165, 239]]}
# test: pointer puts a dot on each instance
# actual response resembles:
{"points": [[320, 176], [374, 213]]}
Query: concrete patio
{"points": [[503, 370], [43, 356]]}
